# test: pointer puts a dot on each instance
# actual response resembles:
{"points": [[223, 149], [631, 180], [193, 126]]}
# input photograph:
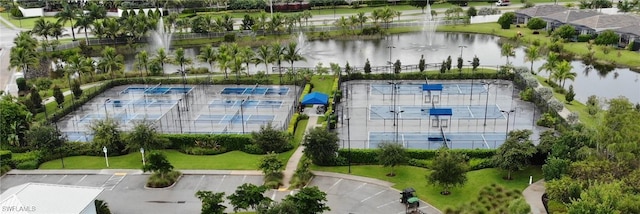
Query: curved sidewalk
{"points": [[533, 196]]}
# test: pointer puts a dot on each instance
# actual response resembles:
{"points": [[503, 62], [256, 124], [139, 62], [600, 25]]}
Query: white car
{"points": [[503, 3]]}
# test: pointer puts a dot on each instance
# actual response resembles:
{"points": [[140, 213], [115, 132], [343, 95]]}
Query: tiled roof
{"points": [[542, 10], [571, 15], [633, 29], [604, 22]]}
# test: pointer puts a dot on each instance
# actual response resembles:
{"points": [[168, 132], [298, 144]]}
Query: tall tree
{"points": [[162, 58], [181, 60], [111, 61], [277, 55], [449, 169], [142, 62], [22, 58], [292, 54], [211, 202], [58, 95], [248, 56], [321, 146], [562, 73], [145, 135], [507, 50], [391, 155], [514, 154], [157, 163], [263, 55], [532, 54], [106, 133], [421, 63], [68, 14], [550, 65], [208, 55], [224, 58], [248, 196], [309, 200], [475, 63], [84, 22]]}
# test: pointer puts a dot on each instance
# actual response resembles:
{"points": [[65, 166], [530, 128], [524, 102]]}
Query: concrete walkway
{"points": [[533, 196], [292, 164]]}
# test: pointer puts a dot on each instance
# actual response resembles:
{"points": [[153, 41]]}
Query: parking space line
{"points": [[374, 195], [386, 204], [113, 181], [44, 176], [244, 177], [198, 184], [273, 197], [334, 184], [220, 184], [61, 178], [81, 179]]}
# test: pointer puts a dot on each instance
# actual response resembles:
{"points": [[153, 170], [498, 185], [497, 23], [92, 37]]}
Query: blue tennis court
{"points": [[141, 103], [246, 104], [156, 90], [234, 118], [380, 112], [255, 91], [455, 140], [78, 136], [416, 89]]}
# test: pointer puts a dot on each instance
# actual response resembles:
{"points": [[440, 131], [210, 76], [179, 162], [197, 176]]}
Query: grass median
{"points": [[409, 176]]}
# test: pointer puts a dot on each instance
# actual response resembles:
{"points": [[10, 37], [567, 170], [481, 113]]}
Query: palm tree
{"points": [[362, 18], [142, 61], [68, 14], [275, 25], [56, 30], [181, 59], [112, 28], [292, 54], [111, 61], [88, 66], [42, 28], [550, 64], [261, 23], [507, 50], [263, 55], [99, 30], [83, 23], [208, 55], [96, 11], [22, 58], [224, 57], [277, 55], [248, 56], [74, 65], [343, 24], [235, 62], [306, 15], [161, 57], [531, 55], [563, 72], [25, 40]]}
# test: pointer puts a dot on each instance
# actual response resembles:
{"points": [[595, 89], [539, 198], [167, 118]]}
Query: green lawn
{"points": [[408, 176], [574, 106], [28, 23], [322, 84], [627, 58]]}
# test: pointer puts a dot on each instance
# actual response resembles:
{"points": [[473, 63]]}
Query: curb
{"points": [[352, 177]]}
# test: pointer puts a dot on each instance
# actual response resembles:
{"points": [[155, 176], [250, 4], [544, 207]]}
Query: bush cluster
{"points": [[156, 181], [431, 75], [370, 156]]}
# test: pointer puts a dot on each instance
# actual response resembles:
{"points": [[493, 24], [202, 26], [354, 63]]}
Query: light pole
{"points": [[106, 159], [179, 115], [506, 132], [486, 104], [472, 77], [394, 94], [391, 47], [271, 3], [142, 153], [106, 114], [349, 141], [396, 114], [184, 89], [461, 47], [242, 115]]}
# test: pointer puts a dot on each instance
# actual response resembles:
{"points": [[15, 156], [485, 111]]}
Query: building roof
{"points": [[606, 22], [49, 198], [571, 15], [541, 10], [633, 30]]}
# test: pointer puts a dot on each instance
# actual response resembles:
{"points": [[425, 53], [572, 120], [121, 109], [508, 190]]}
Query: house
{"points": [[629, 35], [598, 23], [555, 20], [523, 16], [36, 198]]}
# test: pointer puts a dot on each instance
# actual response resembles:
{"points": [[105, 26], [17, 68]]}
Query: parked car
{"points": [[503, 3]]}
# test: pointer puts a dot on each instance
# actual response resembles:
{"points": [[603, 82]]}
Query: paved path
{"points": [[292, 164], [7, 33], [533, 195]]}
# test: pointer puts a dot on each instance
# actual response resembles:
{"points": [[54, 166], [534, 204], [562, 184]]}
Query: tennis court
{"points": [[416, 89], [234, 118], [246, 103], [455, 140], [384, 112], [255, 91], [143, 103], [156, 90], [78, 136], [123, 118]]}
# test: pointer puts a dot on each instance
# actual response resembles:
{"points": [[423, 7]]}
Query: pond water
{"points": [[600, 81]]}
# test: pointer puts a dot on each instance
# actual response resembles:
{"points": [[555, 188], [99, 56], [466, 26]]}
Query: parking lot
{"points": [[125, 192]]}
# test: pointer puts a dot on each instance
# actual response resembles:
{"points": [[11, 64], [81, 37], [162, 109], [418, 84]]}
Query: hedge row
{"points": [[5, 157], [305, 91], [293, 123], [229, 141], [429, 75], [370, 156]]}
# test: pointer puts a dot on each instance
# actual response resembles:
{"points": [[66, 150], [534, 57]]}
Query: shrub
{"points": [[253, 149], [369, 156], [506, 20], [526, 95], [607, 37], [584, 37], [488, 11], [547, 120], [419, 163], [555, 105], [371, 30], [4, 169], [231, 142], [5, 157], [229, 37], [15, 12], [545, 93], [194, 150], [536, 24], [22, 84], [25, 157], [157, 181], [480, 163], [565, 32], [31, 164]]}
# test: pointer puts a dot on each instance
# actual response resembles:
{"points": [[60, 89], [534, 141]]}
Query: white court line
{"points": [[222, 181], [61, 178], [374, 195], [81, 179]]}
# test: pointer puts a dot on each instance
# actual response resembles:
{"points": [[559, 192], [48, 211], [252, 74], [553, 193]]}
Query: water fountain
{"points": [[160, 38], [429, 26]]}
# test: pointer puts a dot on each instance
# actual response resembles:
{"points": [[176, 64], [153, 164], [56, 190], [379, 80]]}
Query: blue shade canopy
{"points": [[441, 111], [315, 98], [432, 87]]}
